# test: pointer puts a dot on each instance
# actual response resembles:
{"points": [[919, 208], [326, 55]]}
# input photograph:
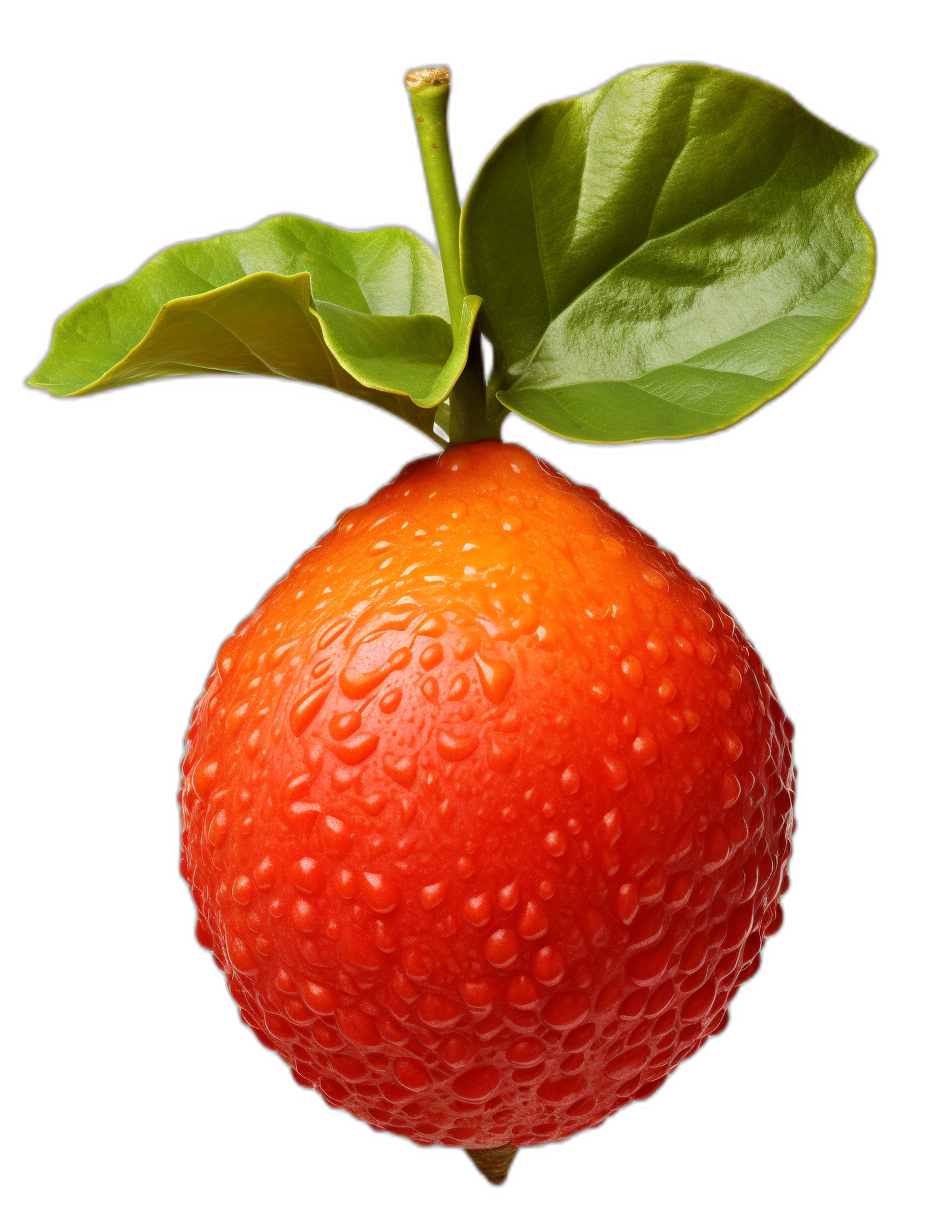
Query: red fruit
{"points": [[486, 808]]}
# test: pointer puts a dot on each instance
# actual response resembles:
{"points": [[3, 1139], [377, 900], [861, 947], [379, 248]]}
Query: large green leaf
{"points": [[660, 257], [361, 312]]}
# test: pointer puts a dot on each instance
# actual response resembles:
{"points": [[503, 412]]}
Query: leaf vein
{"points": [[541, 260]]}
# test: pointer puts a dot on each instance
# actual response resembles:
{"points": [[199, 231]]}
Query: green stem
{"points": [[429, 89]]}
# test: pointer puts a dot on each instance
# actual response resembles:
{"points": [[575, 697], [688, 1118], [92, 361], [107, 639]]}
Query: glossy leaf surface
{"points": [[400, 354], [663, 255], [361, 312]]}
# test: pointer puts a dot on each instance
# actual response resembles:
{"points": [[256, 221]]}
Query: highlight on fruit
{"points": [[487, 806]]}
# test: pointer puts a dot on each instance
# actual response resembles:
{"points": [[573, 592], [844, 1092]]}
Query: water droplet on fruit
{"points": [[357, 1027], [717, 849], [577, 1040], [478, 994], [616, 772], [525, 1052], [218, 829], [644, 747], [304, 915], [627, 1064], [496, 677], [332, 632], [432, 626], [651, 887], [430, 690], [431, 656], [465, 646], [632, 670], [373, 804], [438, 1011], [555, 842], [456, 748], [697, 1006], [456, 1051], [355, 749], [548, 965], [477, 910], [508, 897], [666, 690], [570, 781], [566, 1010], [558, 1090], [334, 835], [706, 652], [533, 921], [346, 883], [655, 580], [432, 895], [384, 938], [391, 700], [732, 746], [626, 902], [476, 1085], [349, 1068], [774, 921], [285, 981], [241, 957], [343, 777], [305, 709], [522, 993], [379, 892], [205, 776], [318, 997], [236, 718], [649, 967], [612, 826], [344, 724], [657, 648], [306, 875], [459, 687], [502, 752], [401, 769], [242, 891], [356, 684], [502, 947], [411, 1074]]}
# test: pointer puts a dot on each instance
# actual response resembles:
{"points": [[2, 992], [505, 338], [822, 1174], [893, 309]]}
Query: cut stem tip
{"points": [[428, 78], [495, 1162]]}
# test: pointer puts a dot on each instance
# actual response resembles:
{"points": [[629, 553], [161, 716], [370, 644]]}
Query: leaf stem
{"points": [[429, 89]]}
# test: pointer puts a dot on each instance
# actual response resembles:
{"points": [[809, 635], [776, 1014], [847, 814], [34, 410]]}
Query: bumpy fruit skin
{"points": [[486, 808]]}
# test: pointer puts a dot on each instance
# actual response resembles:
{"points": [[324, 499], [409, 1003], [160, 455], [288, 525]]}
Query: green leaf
{"points": [[400, 354], [663, 255], [362, 312]]}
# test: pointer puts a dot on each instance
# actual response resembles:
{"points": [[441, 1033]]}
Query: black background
{"points": [[159, 515]]}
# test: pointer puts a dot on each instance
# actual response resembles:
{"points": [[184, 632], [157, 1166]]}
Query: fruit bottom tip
{"points": [[494, 1163]]}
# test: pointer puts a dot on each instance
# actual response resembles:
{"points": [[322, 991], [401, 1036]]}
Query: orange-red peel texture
{"points": [[486, 808]]}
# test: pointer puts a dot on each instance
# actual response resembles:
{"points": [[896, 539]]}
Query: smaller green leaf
{"points": [[399, 354], [361, 312]]}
